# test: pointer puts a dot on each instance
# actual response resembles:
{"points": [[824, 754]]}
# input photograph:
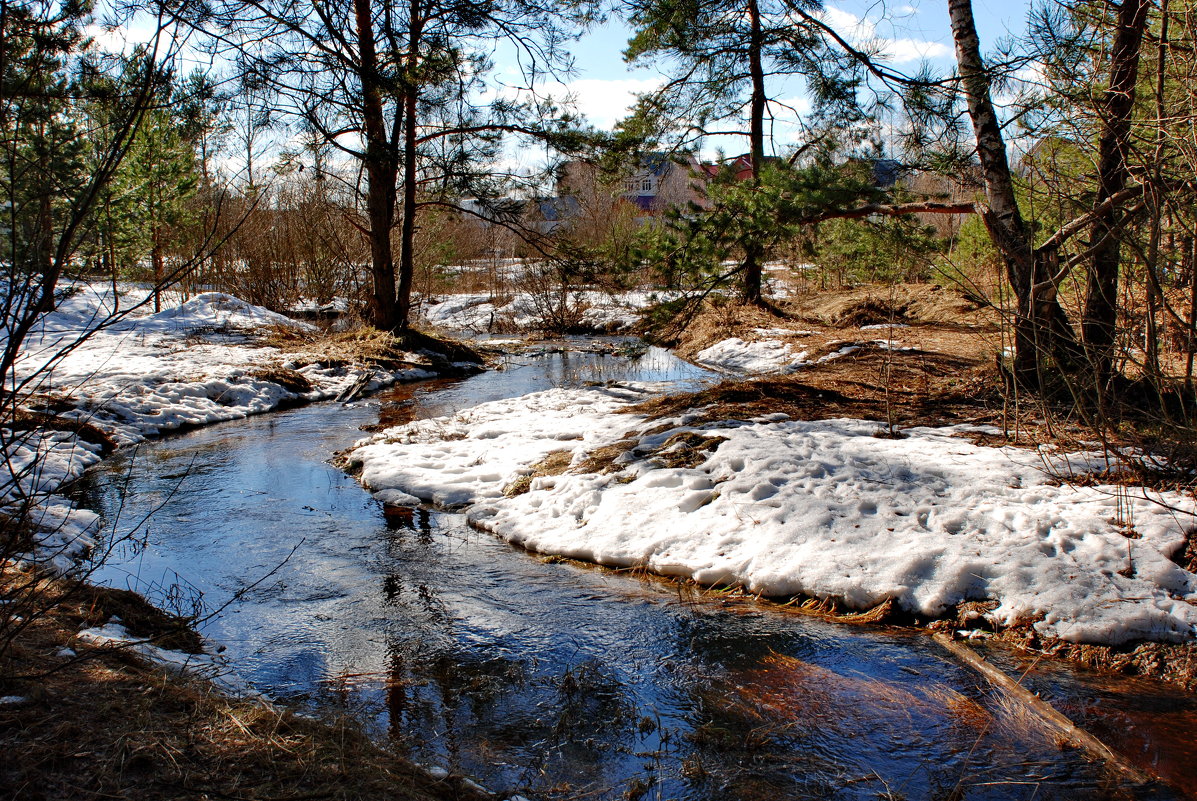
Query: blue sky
{"points": [[604, 84]]}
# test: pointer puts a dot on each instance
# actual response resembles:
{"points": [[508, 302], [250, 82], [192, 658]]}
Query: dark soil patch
{"points": [[1186, 557], [447, 349], [95, 606]]}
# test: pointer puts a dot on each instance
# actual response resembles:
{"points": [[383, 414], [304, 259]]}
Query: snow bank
{"points": [[821, 508], [772, 356], [742, 356], [525, 311], [457, 461], [186, 366]]}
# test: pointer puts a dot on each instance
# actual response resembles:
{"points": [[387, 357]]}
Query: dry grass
{"points": [[105, 725], [922, 389], [901, 303], [1169, 662], [26, 420], [605, 459], [553, 464], [370, 346], [288, 379], [686, 449]]}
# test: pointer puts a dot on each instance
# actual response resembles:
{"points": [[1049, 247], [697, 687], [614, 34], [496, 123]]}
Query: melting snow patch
{"points": [[148, 374], [821, 508], [525, 311], [214, 668], [740, 356], [781, 332]]}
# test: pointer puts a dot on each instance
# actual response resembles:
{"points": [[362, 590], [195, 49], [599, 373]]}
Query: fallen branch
{"points": [[1047, 713]]}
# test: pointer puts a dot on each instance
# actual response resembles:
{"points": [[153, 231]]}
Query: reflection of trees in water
{"points": [[508, 722], [522, 373], [779, 721]]}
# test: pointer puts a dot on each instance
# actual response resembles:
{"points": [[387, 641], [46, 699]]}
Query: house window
{"points": [[646, 185]]}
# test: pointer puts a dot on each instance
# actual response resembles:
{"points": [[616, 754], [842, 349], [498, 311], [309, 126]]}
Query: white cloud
{"points": [[122, 38], [605, 102], [861, 31], [905, 51], [799, 104], [848, 25]]}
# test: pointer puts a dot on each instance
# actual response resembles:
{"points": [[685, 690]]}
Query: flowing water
{"points": [[558, 680]]}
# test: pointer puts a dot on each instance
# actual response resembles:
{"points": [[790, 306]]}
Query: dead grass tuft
{"points": [[90, 605], [873, 311], [26, 420], [288, 379], [966, 710], [686, 449], [907, 303], [367, 345], [1173, 663], [833, 609], [605, 459], [720, 320], [553, 464]]}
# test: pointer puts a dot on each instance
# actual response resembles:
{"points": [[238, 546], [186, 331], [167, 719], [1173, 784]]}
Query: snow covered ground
{"points": [[188, 365], [753, 357], [525, 311], [771, 356], [824, 508]]}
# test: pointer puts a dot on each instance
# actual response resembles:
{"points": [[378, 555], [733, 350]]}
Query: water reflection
{"points": [[561, 681]]}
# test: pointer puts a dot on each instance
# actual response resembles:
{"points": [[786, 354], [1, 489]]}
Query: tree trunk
{"points": [[753, 252], [1100, 318], [1039, 320], [380, 174], [110, 252], [159, 272], [407, 235]]}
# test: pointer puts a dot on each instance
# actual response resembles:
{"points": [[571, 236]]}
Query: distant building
{"points": [[660, 182], [960, 188]]}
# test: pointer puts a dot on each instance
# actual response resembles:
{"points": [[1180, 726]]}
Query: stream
{"points": [[558, 680]]}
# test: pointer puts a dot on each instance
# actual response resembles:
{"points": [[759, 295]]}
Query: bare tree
{"points": [[394, 88]]}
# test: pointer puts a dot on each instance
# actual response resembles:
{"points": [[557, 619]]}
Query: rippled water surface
{"points": [[558, 680]]}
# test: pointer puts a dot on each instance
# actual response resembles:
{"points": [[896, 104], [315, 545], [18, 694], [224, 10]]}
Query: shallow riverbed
{"points": [[557, 680]]}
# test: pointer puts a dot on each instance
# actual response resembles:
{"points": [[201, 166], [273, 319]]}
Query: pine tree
{"points": [[723, 56]]}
